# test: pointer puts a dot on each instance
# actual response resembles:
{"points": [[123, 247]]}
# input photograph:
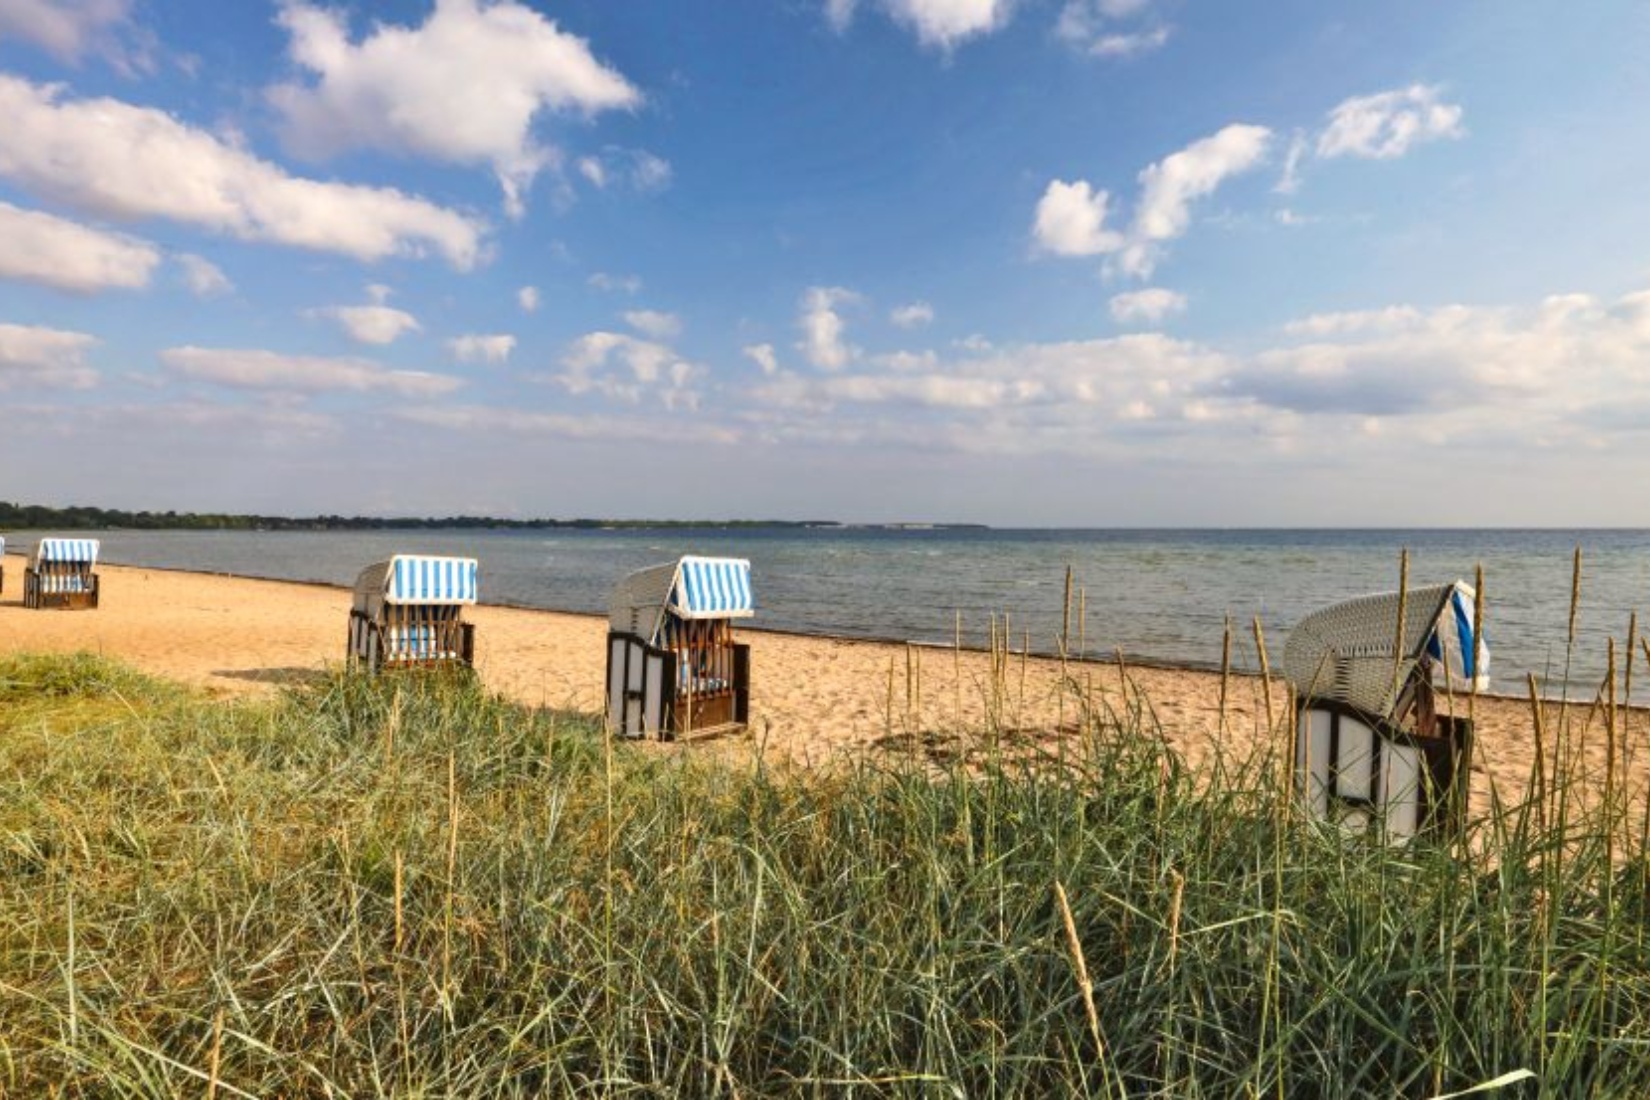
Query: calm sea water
{"points": [[1157, 594]]}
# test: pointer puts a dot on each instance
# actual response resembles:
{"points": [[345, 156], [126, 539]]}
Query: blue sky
{"points": [[1045, 262]]}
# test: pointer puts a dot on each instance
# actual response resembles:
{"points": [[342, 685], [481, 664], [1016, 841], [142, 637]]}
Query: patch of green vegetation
{"points": [[408, 887]]}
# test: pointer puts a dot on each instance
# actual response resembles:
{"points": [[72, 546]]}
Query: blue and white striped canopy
{"points": [[712, 588], [1451, 642], [416, 579], [77, 551]]}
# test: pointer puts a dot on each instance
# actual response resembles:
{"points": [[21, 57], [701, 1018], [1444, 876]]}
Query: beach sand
{"points": [[814, 699]]}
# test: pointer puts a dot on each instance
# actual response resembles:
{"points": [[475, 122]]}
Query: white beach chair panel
{"points": [[1355, 778], [636, 688]]}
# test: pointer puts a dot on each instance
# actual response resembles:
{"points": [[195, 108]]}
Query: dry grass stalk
{"points": [[1080, 965], [1175, 898], [215, 1059], [1082, 622], [400, 923], [391, 727], [1403, 611], [1225, 671], [452, 870], [1265, 675], [1065, 614]]}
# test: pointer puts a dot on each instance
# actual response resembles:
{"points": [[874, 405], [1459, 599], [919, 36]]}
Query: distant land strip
{"points": [[81, 518]]}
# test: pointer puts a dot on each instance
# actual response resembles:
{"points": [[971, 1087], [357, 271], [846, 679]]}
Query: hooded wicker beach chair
{"points": [[1374, 749], [2, 563], [673, 667], [61, 574], [408, 611]]}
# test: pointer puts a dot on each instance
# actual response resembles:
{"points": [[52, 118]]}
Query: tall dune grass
{"points": [[410, 888]]}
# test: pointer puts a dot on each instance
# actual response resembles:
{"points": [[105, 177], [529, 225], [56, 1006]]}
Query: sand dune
{"points": [[813, 698]]}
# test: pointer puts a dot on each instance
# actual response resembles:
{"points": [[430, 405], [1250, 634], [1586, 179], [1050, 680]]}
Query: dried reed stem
{"points": [[1225, 671], [1081, 966], [452, 868], [399, 925], [1403, 610], [1265, 674], [1175, 898], [215, 1059], [1065, 614], [1609, 768], [1082, 621], [392, 726], [1540, 781]]}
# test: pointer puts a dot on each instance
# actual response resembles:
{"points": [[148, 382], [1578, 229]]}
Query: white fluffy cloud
{"points": [[203, 276], [629, 284], [653, 323], [1068, 390], [1168, 188], [1290, 181], [941, 23], [1071, 220], [478, 348], [912, 315], [1387, 124], [375, 324], [31, 355], [1150, 305], [52, 251], [528, 299], [640, 169], [625, 368], [1071, 217], [763, 356], [823, 328], [70, 29], [119, 161], [1566, 372], [257, 369], [466, 87], [1111, 28], [1355, 322]]}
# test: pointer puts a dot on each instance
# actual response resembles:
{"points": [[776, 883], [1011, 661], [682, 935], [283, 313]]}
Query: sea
{"points": [[1157, 595]]}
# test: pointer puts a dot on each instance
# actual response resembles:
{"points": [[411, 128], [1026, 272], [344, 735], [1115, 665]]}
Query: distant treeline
{"points": [[23, 516]]}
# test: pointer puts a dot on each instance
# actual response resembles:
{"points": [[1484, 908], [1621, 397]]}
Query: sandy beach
{"points": [[813, 698]]}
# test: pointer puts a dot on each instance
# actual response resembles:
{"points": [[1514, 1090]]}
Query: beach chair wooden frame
{"points": [[1372, 753], [674, 667], [408, 613], [61, 575]]}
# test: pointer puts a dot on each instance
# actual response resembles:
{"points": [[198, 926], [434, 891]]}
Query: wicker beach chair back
{"points": [[1358, 653]]}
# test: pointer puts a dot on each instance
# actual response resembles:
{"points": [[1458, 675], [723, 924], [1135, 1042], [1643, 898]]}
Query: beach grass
{"points": [[408, 887]]}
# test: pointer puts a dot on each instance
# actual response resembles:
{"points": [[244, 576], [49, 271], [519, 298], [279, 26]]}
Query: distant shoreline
{"points": [[32, 517]]}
